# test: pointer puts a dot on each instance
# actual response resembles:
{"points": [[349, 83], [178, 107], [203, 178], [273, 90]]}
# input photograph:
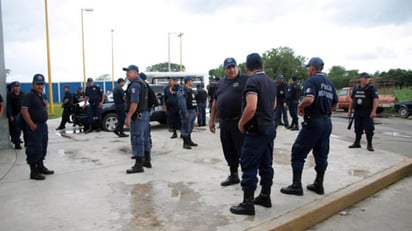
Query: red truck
{"points": [[345, 99]]}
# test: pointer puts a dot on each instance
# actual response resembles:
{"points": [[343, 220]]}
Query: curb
{"points": [[319, 210]]}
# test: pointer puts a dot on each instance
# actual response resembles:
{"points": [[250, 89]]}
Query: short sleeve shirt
{"points": [[228, 96], [134, 90], [36, 105], [93, 93]]}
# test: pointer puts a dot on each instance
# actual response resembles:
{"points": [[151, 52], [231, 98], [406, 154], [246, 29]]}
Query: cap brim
{"points": [[125, 69]]}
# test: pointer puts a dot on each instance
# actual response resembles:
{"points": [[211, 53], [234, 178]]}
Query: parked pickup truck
{"points": [[345, 99]]}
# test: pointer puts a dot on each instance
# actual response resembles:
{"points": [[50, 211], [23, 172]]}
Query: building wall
{"points": [[4, 126]]}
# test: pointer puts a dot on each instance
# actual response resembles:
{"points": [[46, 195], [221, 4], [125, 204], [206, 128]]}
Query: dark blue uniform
{"points": [[171, 102], [292, 100], [201, 99], [281, 111], [13, 114], [67, 108], [187, 104], [257, 149], [317, 125], [228, 99], [363, 104], [36, 147], [94, 95], [118, 98]]}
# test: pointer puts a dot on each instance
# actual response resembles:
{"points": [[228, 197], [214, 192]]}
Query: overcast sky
{"points": [[367, 35]]}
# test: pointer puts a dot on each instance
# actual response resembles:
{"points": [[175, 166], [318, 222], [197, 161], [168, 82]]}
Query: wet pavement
{"points": [[91, 190]]}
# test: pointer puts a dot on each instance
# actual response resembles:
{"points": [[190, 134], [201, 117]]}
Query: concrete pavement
{"points": [[90, 189]]}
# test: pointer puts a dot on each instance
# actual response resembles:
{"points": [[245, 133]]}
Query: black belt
{"points": [[231, 118]]}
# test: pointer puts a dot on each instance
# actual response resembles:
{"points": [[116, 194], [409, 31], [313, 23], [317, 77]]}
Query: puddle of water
{"points": [[282, 156], [359, 172], [163, 206], [208, 161]]}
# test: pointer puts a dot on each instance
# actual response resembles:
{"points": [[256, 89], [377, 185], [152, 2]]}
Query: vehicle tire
{"points": [[403, 112], [109, 122]]}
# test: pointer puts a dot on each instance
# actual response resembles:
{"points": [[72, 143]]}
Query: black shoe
{"points": [[35, 174], [244, 208], [116, 132], [193, 144], [355, 145], [98, 129], [294, 128], [173, 136], [316, 188], [122, 134], [263, 201], [17, 146], [60, 128], [137, 167], [43, 169], [231, 180], [370, 148], [146, 160], [293, 189], [88, 131]]}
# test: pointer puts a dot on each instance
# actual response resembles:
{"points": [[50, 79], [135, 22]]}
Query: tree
{"points": [[341, 77], [283, 61], [163, 67], [402, 78], [104, 77]]}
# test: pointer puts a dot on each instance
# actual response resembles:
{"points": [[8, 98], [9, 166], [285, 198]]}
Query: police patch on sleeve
{"points": [[133, 90], [308, 90]]}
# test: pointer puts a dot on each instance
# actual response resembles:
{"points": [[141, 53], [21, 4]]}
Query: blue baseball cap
{"points": [[187, 79], [130, 68], [89, 80], [38, 79], [229, 62], [279, 76], [364, 75], [254, 61], [316, 62], [142, 76], [15, 84], [120, 80]]}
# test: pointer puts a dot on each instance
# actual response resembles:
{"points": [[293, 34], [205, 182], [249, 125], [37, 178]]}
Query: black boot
{"points": [[35, 174], [246, 207], [370, 147], [356, 144], [174, 135], [191, 141], [137, 167], [146, 162], [264, 197], [122, 134], [186, 144], [232, 179], [296, 187], [43, 169], [317, 185]]}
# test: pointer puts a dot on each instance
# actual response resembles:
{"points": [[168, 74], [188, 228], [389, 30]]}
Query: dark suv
{"points": [[109, 115]]}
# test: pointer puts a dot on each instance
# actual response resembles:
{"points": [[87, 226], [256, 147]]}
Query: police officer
{"points": [[147, 132], [187, 105], [78, 96], [119, 100], [227, 104], [171, 106], [201, 99], [14, 99], [34, 113], [292, 101], [1, 106], [316, 107], [95, 97], [138, 115], [365, 102], [211, 88], [257, 124], [67, 106], [281, 109]]}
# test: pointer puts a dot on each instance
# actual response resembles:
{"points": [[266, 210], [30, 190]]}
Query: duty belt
{"points": [[231, 118]]}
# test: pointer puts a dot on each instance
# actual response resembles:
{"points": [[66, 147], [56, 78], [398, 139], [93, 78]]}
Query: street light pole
{"points": [[112, 61], [168, 51], [51, 106], [84, 64], [180, 36]]}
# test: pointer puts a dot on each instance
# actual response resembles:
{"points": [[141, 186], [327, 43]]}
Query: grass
{"points": [[403, 95], [57, 107]]}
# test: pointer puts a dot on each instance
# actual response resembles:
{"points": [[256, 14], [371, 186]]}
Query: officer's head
{"points": [[171, 81], [120, 82], [90, 82], [80, 89], [314, 65], [279, 78], [253, 63], [15, 87], [131, 72], [38, 83], [230, 68], [364, 78], [66, 88], [188, 81]]}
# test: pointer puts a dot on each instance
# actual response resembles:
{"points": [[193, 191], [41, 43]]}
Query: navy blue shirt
{"points": [[36, 105], [228, 96], [282, 89], [265, 89], [94, 94], [118, 95], [14, 103], [323, 92], [68, 96], [363, 98], [293, 92], [170, 96]]}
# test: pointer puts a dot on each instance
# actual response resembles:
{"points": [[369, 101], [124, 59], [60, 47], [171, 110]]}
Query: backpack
{"points": [[152, 99]]}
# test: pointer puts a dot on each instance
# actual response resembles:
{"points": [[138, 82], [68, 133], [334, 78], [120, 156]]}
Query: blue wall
{"points": [[58, 92]]}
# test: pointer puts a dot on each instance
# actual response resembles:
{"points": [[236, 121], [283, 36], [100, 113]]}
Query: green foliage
{"points": [[341, 77], [402, 78], [283, 61], [404, 94], [217, 72], [163, 67], [58, 110]]}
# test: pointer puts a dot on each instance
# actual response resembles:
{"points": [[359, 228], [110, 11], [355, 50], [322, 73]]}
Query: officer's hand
{"points": [[301, 111], [33, 127], [349, 113], [11, 119], [100, 105], [241, 128], [186, 115], [372, 115], [164, 109], [212, 127], [127, 122], [285, 105]]}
